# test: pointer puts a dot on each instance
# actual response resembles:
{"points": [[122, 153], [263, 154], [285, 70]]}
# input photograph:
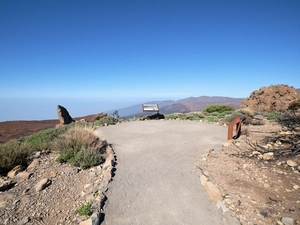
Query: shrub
{"points": [[43, 139], [171, 116], [212, 119], [230, 117], [106, 120], [272, 116], [218, 108], [13, 153], [85, 209], [80, 146]]}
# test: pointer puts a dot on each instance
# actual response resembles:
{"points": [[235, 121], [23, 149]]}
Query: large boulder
{"points": [[274, 98], [63, 115]]}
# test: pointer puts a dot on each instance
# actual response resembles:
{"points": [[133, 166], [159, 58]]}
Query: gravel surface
{"points": [[155, 181]]}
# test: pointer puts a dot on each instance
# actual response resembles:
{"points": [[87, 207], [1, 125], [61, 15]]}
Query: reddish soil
{"points": [[16, 129]]}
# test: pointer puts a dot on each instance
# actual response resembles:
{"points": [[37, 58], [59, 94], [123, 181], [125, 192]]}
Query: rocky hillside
{"points": [[274, 98]]}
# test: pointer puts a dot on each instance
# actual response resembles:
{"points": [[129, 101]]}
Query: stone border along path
{"points": [[156, 179]]}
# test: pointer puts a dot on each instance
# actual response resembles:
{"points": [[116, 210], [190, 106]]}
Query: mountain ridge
{"points": [[189, 104]]}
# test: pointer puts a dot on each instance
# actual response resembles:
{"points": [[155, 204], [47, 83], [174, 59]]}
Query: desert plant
{"points": [[218, 108], [80, 146], [43, 139], [13, 153], [272, 116], [85, 209], [171, 116], [109, 120]]}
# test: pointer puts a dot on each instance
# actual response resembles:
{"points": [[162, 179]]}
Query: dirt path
{"points": [[155, 181]]}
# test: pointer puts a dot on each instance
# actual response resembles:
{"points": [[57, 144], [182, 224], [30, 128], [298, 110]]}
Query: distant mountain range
{"points": [[191, 104]]}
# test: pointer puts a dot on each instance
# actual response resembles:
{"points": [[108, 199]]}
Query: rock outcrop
{"points": [[274, 98], [63, 115]]}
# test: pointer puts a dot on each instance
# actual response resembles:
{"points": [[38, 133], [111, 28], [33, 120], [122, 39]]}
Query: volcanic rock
{"points": [[274, 98], [63, 115]]}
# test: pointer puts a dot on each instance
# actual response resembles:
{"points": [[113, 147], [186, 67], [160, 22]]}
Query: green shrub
{"points": [[43, 139], [171, 116], [85, 209], [273, 116], [212, 119], [218, 108], [109, 120], [13, 153], [81, 147]]}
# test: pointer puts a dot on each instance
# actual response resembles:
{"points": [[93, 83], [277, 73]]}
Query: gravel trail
{"points": [[155, 181]]}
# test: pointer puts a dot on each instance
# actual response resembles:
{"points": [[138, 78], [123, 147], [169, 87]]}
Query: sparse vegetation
{"points": [[13, 153], [76, 142], [109, 120], [218, 108], [80, 147], [43, 139], [85, 209], [273, 116]]}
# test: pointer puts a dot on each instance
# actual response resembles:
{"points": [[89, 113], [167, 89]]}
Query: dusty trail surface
{"points": [[155, 181]]}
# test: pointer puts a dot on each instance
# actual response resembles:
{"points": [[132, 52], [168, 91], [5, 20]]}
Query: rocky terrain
{"points": [[48, 192], [274, 98], [257, 186]]}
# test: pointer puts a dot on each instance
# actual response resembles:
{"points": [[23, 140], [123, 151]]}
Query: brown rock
{"points": [[213, 192], [42, 184], [274, 98], [63, 115], [11, 174], [23, 175], [34, 163]]}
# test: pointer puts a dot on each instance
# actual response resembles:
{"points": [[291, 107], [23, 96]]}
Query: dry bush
{"points": [[14, 153], [80, 146]]}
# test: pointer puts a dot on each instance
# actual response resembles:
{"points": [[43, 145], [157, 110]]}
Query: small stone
{"points": [[86, 222], [203, 179], [268, 156], [23, 175], [298, 168], [266, 185], [291, 163], [11, 174], [92, 175], [221, 207], [42, 184], [279, 172], [34, 163], [287, 220], [296, 187], [254, 153]]}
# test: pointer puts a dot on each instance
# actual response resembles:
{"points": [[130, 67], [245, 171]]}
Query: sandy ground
{"points": [[155, 181]]}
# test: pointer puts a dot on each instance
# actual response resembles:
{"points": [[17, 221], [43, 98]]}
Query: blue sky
{"points": [[124, 52]]}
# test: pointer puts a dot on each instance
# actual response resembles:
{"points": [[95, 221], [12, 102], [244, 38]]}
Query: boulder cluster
{"points": [[274, 98]]}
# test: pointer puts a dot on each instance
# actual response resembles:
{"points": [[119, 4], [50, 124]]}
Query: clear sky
{"points": [[124, 52]]}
